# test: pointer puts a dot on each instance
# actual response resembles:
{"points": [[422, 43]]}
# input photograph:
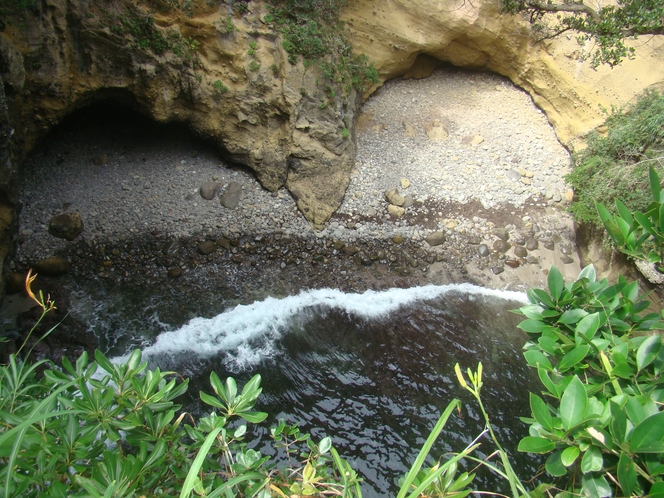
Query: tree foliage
{"points": [[606, 25]]}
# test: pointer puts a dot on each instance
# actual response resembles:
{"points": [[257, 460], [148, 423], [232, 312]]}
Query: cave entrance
{"points": [[470, 149], [127, 175]]}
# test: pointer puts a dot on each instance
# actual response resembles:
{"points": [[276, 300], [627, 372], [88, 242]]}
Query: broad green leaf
{"points": [[532, 326], [572, 316], [532, 444], [551, 386], [538, 296], [554, 465], [573, 357], [650, 431], [588, 325], [595, 486], [656, 490], [555, 282], [631, 291], [325, 445], [231, 390], [211, 400], [626, 474], [573, 404], [618, 422], [532, 311], [592, 460], [624, 213], [253, 417], [533, 358], [569, 455], [648, 351], [541, 412], [589, 273]]}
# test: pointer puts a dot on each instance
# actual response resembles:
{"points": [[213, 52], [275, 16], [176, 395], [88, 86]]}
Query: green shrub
{"points": [[225, 25], [600, 361], [102, 429], [615, 166], [313, 29], [220, 86]]}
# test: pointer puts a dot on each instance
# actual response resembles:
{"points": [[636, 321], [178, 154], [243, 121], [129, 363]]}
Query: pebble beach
{"points": [[474, 160]]}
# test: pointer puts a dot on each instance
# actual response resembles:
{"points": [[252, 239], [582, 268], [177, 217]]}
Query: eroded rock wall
{"points": [[223, 73]]}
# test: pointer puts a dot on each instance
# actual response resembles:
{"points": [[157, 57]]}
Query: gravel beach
{"points": [[475, 165]]}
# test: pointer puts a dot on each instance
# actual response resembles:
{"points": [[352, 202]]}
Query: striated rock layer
{"points": [[225, 73]]}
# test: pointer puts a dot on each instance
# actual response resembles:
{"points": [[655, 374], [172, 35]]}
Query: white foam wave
{"points": [[248, 333]]}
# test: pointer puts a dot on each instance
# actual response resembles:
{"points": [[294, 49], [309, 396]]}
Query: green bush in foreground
{"points": [[599, 418], [615, 166], [103, 430]]}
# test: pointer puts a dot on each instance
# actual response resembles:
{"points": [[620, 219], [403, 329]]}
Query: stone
{"points": [[224, 243], [520, 252], [209, 189], [498, 269], [53, 267], [66, 226], [513, 175], [566, 260], [548, 244], [407, 201], [206, 247], [532, 244], [569, 196], [501, 233], [14, 282], [393, 197], [100, 160], [512, 263], [397, 211], [474, 240], [231, 196], [409, 129], [397, 239], [175, 272], [405, 183], [501, 246], [371, 212], [483, 250], [350, 250], [436, 131], [476, 140], [436, 239]]}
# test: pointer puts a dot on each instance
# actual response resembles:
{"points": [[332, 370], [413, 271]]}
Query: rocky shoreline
{"points": [[479, 183]]}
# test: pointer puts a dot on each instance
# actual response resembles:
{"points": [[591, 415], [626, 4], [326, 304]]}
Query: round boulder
{"points": [[209, 189], [66, 226], [207, 247], [53, 267], [436, 239]]}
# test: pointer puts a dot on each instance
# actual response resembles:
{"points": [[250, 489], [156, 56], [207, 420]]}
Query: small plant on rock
{"points": [[221, 88]]}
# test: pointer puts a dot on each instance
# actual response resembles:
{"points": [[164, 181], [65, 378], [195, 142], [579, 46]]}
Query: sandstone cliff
{"points": [[396, 34], [222, 72]]}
